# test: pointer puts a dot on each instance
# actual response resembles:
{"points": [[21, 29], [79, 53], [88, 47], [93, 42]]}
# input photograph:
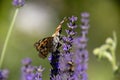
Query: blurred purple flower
{"points": [[85, 23], [81, 54], [66, 57], [38, 74], [4, 74], [18, 3], [54, 58], [66, 47], [30, 72], [72, 19], [64, 62], [27, 72], [26, 61], [71, 32], [67, 39]]}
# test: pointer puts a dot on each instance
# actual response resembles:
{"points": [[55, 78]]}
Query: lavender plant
{"points": [[29, 72]]}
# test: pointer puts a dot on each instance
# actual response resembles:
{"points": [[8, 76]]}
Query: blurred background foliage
{"points": [[39, 18]]}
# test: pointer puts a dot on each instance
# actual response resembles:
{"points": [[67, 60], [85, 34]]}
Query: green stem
{"points": [[115, 67], [8, 36]]}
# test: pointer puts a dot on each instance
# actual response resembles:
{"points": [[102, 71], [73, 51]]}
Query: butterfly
{"points": [[50, 44]]}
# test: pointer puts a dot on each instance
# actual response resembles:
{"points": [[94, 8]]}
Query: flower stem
{"points": [[8, 36], [115, 67]]}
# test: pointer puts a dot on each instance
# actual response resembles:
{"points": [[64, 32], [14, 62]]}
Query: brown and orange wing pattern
{"points": [[44, 46]]}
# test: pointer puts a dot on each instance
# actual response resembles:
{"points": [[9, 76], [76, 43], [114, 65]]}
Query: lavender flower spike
{"points": [[18, 3], [27, 69], [66, 65], [81, 55]]}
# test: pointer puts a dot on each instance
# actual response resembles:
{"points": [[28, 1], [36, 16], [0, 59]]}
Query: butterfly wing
{"points": [[44, 46]]}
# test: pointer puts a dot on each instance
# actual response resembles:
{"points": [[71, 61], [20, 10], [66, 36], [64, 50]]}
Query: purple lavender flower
{"points": [[4, 74], [81, 54], [26, 61], [18, 3], [54, 58], [66, 57], [27, 69], [30, 72], [67, 40], [64, 62], [72, 19], [85, 23], [38, 74], [72, 24]]}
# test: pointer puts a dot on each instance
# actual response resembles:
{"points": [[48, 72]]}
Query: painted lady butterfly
{"points": [[49, 44]]}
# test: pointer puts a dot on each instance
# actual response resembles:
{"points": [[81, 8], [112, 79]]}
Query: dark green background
{"points": [[104, 19]]}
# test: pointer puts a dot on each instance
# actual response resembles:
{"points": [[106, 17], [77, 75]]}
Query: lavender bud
{"points": [[18, 3]]}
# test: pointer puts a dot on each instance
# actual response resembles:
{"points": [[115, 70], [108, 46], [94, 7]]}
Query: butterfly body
{"points": [[49, 44]]}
